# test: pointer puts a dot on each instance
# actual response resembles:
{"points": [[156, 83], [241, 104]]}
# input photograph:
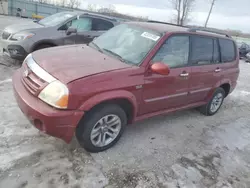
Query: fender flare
{"points": [[110, 95], [42, 42], [218, 84]]}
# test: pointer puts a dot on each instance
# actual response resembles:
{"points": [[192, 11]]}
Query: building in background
{"points": [[3, 7]]}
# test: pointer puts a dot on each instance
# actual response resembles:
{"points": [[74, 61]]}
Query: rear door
{"points": [[206, 67]]}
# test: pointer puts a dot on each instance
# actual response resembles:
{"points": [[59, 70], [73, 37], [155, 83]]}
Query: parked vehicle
{"points": [[248, 57], [134, 71], [243, 49], [21, 13], [62, 28]]}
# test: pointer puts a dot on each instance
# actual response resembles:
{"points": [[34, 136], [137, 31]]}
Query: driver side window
{"points": [[174, 52], [82, 24]]}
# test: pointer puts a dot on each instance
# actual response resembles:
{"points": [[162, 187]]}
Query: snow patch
{"points": [[6, 81]]}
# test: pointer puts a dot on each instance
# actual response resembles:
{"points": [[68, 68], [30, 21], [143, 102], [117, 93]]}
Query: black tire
{"points": [[83, 131], [206, 109], [42, 46]]}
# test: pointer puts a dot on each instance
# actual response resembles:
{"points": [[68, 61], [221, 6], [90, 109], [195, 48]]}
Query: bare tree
{"points": [[183, 9], [92, 7], [43, 1], [62, 3], [74, 3], [110, 9], [209, 13]]}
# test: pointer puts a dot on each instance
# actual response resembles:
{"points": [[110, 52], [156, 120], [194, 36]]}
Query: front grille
{"points": [[5, 35], [31, 81]]}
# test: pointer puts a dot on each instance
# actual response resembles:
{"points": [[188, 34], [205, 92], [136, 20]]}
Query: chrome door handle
{"points": [[217, 70], [184, 74]]}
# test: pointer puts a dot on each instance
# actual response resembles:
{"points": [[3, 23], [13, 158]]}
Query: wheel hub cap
{"points": [[216, 102], [105, 130]]}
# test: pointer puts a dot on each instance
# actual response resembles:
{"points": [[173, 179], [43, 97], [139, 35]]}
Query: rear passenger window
{"points": [[174, 52], [227, 49], [101, 25], [202, 50]]}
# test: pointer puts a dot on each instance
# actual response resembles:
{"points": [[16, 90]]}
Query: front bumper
{"points": [[57, 123], [13, 49]]}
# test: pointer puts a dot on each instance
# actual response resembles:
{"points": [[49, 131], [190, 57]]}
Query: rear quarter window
{"points": [[228, 50]]}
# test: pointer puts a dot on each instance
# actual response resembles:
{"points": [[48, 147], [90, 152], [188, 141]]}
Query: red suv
{"points": [[134, 71]]}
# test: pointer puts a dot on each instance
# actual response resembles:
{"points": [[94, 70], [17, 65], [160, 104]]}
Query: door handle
{"points": [[217, 70], [184, 74]]}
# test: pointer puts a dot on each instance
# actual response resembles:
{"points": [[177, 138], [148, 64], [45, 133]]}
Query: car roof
{"points": [[163, 28], [159, 27], [98, 15]]}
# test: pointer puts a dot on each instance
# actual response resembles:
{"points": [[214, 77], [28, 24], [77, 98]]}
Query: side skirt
{"points": [[167, 111]]}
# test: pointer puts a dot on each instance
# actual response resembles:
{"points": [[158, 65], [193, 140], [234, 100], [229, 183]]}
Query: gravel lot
{"points": [[181, 150]]}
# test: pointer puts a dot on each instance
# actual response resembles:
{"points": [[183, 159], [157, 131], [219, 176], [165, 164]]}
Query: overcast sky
{"points": [[233, 14]]}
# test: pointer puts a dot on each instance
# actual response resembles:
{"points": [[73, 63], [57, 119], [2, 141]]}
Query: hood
{"points": [[23, 26], [68, 63]]}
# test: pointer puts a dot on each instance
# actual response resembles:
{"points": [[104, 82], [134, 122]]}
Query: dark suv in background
{"points": [[244, 49], [62, 28]]}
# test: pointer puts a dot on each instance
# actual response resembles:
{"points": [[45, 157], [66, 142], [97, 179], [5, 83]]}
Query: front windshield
{"points": [[56, 19], [130, 43]]}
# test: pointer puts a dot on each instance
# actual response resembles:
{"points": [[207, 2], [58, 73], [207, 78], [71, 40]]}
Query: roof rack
{"points": [[153, 21], [101, 15], [207, 30]]}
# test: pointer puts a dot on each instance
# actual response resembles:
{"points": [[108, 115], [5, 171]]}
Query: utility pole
{"points": [[179, 12], [208, 16]]}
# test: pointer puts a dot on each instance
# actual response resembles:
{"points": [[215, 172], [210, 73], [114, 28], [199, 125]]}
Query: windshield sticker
{"points": [[150, 36]]}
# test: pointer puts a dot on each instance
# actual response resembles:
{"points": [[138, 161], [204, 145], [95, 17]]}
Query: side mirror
{"points": [[160, 68], [71, 30]]}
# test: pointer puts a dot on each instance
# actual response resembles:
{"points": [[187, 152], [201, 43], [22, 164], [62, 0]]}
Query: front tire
{"points": [[214, 104], [101, 128]]}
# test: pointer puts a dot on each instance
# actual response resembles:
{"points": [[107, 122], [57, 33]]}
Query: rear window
{"points": [[202, 50], [227, 48]]}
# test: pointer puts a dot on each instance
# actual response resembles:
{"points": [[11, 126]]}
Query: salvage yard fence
{"points": [[25, 8]]}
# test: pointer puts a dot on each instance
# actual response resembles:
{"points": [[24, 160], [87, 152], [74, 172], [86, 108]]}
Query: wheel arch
{"points": [[225, 84], [126, 100], [226, 87], [42, 42]]}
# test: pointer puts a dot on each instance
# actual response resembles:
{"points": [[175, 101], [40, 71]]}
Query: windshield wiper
{"points": [[117, 55], [96, 46]]}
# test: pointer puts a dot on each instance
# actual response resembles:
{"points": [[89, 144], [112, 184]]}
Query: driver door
{"points": [[84, 34], [163, 92]]}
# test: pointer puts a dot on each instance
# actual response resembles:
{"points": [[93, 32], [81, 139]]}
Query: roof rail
{"points": [[153, 21], [101, 15], [207, 30]]}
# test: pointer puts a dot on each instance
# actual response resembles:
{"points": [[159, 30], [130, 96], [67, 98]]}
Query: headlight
{"points": [[55, 94], [21, 36]]}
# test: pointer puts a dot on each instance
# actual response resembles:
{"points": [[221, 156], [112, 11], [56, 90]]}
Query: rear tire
{"points": [[96, 132], [214, 104]]}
